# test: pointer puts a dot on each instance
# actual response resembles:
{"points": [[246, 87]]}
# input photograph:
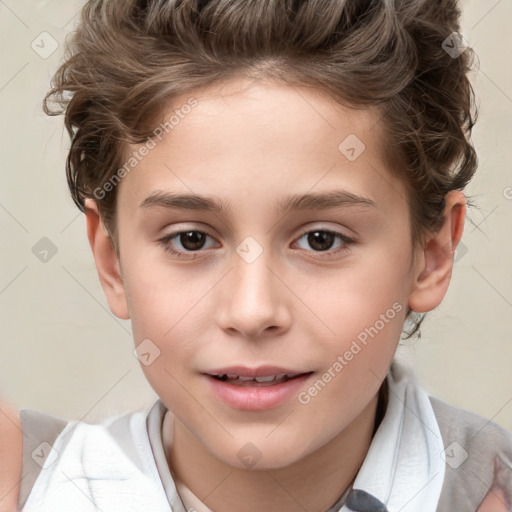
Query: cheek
{"points": [[164, 308], [161, 298], [161, 312], [356, 296], [364, 307]]}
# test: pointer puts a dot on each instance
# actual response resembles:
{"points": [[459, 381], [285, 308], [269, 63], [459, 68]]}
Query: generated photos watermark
{"points": [[357, 345], [137, 155]]}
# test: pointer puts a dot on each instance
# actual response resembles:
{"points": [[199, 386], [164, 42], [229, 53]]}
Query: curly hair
{"points": [[127, 60]]}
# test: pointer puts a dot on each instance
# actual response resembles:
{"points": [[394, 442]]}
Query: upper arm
{"points": [[11, 456]]}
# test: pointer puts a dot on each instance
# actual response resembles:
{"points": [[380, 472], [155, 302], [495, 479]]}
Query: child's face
{"points": [[256, 290]]}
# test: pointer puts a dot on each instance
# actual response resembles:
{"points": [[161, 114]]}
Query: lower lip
{"points": [[256, 398]]}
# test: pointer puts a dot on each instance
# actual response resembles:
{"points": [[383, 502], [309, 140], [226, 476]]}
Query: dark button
{"points": [[361, 501]]}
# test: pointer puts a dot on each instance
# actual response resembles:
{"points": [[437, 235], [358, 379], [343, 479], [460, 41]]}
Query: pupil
{"points": [[321, 240], [192, 240]]}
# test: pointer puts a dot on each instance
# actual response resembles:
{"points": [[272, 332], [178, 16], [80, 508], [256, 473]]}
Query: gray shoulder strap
{"points": [[470, 443], [39, 433]]}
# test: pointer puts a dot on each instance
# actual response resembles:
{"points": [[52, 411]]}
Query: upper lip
{"points": [[260, 371]]}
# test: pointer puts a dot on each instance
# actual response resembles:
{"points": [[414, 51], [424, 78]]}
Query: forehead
{"points": [[242, 140]]}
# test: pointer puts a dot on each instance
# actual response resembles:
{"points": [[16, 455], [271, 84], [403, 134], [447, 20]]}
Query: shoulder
{"points": [[40, 431], [47, 438], [10, 457], [114, 453], [475, 432], [471, 443]]}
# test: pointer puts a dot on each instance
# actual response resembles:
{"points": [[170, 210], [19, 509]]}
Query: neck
{"points": [[313, 483]]}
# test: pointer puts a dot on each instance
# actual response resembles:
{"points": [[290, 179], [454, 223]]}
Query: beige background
{"points": [[61, 350]]}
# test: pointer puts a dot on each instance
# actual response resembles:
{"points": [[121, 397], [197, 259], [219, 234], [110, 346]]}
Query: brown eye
{"points": [[184, 243], [192, 240], [322, 240]]}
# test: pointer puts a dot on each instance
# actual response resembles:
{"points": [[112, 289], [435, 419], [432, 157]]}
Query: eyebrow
{"points": [[316, 201]]}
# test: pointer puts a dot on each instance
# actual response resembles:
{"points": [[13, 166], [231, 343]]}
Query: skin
{"points": [[11, 451], [496, 498], [495, 501], [252, 144]]}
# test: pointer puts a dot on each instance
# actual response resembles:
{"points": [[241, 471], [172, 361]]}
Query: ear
{"points": [[107, 261], [435, 262]]}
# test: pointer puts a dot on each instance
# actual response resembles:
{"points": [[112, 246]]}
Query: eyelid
{"points": [[186, 229], [334, 230]]}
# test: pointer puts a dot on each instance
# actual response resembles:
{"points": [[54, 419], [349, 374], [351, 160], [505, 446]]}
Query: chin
{"points": [[261, 455]]}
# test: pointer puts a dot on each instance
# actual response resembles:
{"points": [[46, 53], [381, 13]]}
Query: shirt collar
{"points": [[403, 469]]}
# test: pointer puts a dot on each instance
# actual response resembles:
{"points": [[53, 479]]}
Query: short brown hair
{"points": [[128, 59]]}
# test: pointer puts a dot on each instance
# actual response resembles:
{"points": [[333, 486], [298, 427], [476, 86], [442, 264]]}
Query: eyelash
{"points": [[346, 241]]}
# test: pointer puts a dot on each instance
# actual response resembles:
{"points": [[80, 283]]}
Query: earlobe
{"points": [[435, 263], [107, 261]]}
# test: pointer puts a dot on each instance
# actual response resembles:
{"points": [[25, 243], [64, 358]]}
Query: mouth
{"points": [[256, 389], [262, 381], [259, 376]]}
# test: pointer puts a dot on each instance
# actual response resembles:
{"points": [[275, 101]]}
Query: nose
{"points": [[254, 299]]}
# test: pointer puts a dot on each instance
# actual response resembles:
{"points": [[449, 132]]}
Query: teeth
{"points": [[265, 379], [268, 378]]}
